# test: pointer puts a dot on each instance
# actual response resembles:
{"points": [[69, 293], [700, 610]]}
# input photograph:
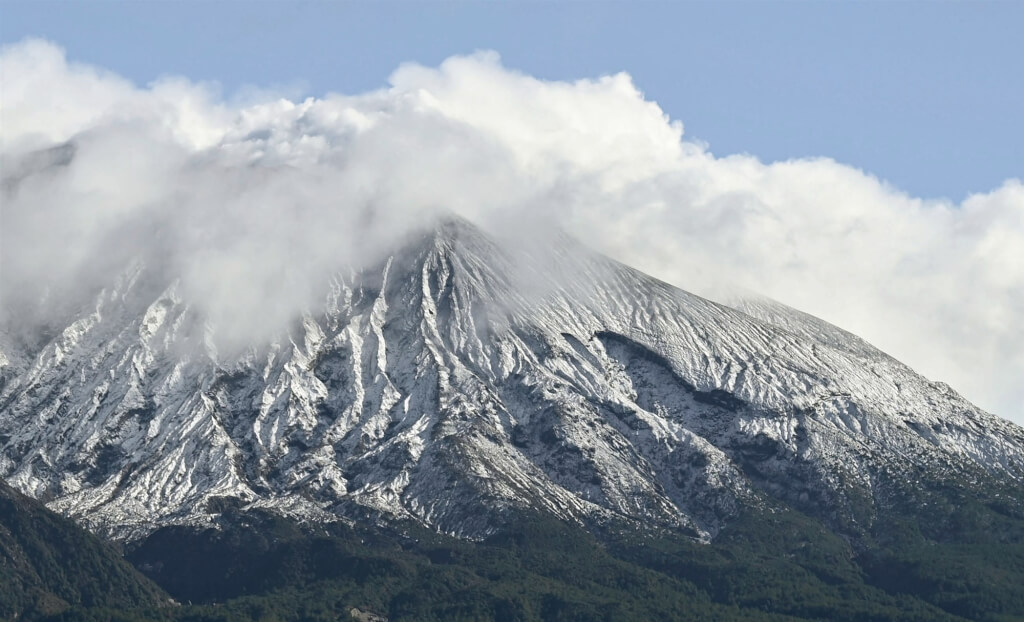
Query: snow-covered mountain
{"points": [[460, 379]]}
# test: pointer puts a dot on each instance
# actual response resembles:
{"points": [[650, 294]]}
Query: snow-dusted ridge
{"points": [[458, 379]]}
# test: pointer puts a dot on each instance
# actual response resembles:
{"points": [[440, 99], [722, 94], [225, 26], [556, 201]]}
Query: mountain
{"points": [[48, 564], [461, 380], [470, 428]]}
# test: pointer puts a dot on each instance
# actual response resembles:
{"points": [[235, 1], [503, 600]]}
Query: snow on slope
{"points": [[459, 379]]}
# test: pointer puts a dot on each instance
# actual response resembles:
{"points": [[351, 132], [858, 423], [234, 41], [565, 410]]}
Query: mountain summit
{"points": [[461, 380]]}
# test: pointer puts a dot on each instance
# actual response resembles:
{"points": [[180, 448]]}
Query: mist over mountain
{"points": [[255, 204]]}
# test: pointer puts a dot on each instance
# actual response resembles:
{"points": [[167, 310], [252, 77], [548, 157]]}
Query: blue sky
{"points": [[925, 95]]}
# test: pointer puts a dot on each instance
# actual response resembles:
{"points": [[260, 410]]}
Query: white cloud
{"points": [[235, 196]]}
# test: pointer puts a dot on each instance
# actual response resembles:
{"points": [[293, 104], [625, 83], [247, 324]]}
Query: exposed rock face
{"points": [[459, 379]]}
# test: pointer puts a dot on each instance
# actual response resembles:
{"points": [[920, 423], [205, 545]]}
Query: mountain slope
{"points": [[48, 564], [461, 379]]}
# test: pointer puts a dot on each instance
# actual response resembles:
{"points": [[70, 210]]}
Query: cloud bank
{"points": [[246, 200]]}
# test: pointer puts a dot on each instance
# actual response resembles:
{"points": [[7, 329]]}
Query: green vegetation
{"points": [[48, 564], [948, 555]]}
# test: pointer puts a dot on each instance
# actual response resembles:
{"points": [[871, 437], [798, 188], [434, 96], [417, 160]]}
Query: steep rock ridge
{"points": [[459, 379]]}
